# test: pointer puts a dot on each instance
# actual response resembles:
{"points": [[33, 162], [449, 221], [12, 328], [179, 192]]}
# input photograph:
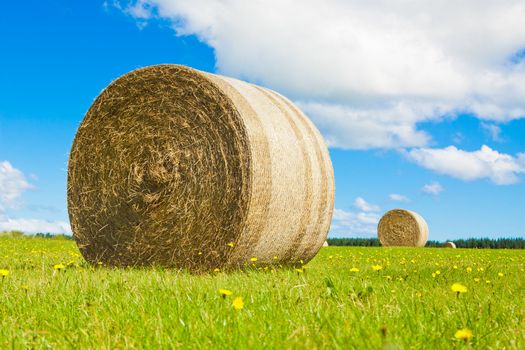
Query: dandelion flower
{"points": [[253, 259], [463, 334], [354, 269], [299, 270], [438, 272], [225, 292], [377, 267], [230, 244], [59, 267], [469, 269], [458, 288], [500, 274], [4, 273], [418, 294], [216, 270], [275, 257], [237, 303]]}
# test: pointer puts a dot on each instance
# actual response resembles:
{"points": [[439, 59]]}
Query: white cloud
{"points": [[433, 188], [346, 223], [34, 226], [12, 184], [363, 205], [367, 72], [500, 168], [398, 198], [493, 130]]}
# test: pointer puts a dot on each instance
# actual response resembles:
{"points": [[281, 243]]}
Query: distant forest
{"points": [[481, 243]]}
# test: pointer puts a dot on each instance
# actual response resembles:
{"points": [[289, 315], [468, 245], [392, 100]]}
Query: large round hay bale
{"points": [[401, 227], [176, 167], [449, 245]]}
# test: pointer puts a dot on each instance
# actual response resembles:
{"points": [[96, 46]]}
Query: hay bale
{"points": [[181, 168], [325, 244], [449, 245], [401, 227]]}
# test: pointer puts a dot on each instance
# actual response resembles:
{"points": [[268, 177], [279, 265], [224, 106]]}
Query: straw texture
{"points": [[400, 227], [449, 245], [180, 168]]}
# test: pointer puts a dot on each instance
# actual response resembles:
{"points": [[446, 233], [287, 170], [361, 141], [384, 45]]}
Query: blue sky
{"points": [[410, 140]]}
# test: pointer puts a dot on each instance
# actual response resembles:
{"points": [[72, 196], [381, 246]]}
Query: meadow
{"points": [[347, 297]]}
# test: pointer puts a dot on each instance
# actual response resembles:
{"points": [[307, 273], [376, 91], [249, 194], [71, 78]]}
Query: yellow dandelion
{"points": [[275, 257], [418, 294], [438, 272], [463, 334], [488, 282], [59, 267], [4, 273], [500, 274], [299, 270], [216, 270], [458, 288], [377, 267], [354, 269], [469, 269], [433, 274], [230, 244], [225, 292], [200, 253], [237, 303], [253, 259], [455, 267]]}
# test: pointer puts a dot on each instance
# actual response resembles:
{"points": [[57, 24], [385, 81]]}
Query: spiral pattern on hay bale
{"points": [[400, 227], [176, 167]]}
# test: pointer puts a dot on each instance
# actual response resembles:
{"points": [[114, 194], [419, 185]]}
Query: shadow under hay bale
{"points": [[176, 167], [400, 227]]}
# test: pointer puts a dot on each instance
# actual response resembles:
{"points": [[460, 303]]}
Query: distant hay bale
{"points": [[401, 227], [449, 245], [176, 167], [325, 244]]}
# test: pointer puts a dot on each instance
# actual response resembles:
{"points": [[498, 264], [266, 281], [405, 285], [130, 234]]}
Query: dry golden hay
{"points": [[176, 167], [325, 244], [449, 245], [401, 227]]}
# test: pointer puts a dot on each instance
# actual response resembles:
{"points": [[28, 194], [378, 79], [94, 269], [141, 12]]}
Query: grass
{"points": [[405, 304]]}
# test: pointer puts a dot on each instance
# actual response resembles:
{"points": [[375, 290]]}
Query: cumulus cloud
{"points": [[34, 226], [363, 205], [398, 198], [433, 188], [351, 224], [500, 168], [362, 222], [367, 72], [12, 184]]}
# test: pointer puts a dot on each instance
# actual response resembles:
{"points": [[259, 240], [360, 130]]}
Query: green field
{"points": [[337, 301]]}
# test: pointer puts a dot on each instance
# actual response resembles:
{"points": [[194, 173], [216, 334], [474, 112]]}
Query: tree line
{"points": [[479, 243]]}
